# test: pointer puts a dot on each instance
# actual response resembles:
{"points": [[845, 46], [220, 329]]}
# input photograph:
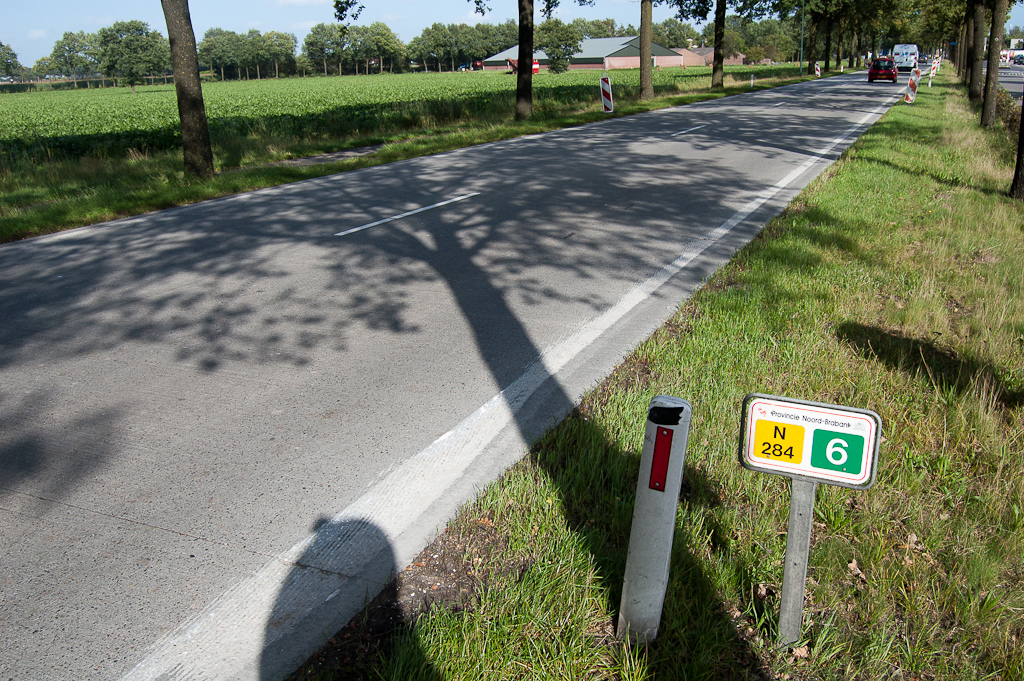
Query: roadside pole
{"points": [[606, 94], [654, 518]]}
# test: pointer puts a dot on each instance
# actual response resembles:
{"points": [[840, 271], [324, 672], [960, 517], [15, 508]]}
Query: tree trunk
{"points": [[222, 73], [812, 45], [995, 45], [1017, 188], [718, 66], [325, 66], [258, 72], [646, 35], [277, 71], [828, 44], [195, 135], [967, 46], [524, 74], [974, 90]]}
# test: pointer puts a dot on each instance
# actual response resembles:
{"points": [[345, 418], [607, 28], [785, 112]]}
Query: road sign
{"points": [[606, 94], [810, 441]]}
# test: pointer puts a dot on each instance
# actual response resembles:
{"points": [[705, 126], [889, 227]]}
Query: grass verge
{"points": [[893, 282], [40, 196]]}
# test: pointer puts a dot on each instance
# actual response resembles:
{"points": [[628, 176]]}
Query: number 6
{"points": [[836, 452]]}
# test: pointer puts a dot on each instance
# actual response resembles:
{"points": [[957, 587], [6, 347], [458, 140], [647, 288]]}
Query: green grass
{"points": [[892, 283], [44, 189]]}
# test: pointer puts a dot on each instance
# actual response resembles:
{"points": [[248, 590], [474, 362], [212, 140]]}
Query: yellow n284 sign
{"points": [[810, 441]]}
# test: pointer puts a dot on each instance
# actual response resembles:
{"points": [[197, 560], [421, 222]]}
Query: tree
{"points": [[995, 40], [646, 35], [195, 135], [384, 44], [8, 60], [674, 33], [974, 88], [325, 44], [74, 54], [560, 41], [255, 52], [1017, 187], [222, 49], [596, 28], [129, 50], [280, 49]]}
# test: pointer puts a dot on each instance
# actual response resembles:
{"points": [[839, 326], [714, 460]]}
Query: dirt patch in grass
{"points": [[451, 574]]}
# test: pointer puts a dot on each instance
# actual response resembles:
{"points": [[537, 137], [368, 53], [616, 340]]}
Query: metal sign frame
{"points": [[810, 441]]}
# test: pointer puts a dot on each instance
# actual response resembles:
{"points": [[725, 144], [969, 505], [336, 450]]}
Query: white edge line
{"points": [[407, 214], [677, 134], [228, 637]]}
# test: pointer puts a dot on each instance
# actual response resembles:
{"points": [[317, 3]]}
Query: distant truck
{"points": [[906, 57]]}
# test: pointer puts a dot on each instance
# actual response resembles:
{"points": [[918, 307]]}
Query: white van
{"points": [[905, 56]]}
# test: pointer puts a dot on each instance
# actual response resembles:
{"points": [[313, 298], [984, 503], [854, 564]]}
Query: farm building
{"points": [[596, 53], [689, 58], [708, 53]]}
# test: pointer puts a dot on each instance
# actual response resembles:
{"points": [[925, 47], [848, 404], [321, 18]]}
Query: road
{"points": [[1012, 78], [223, 425]]}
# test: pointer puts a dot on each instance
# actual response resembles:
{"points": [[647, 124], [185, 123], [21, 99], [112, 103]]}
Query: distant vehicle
{"points": [[1019, 59], [906, 56], [883, 68]]}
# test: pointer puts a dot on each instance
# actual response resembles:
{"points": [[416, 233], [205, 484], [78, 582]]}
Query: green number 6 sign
{"points": [[832, 451]]}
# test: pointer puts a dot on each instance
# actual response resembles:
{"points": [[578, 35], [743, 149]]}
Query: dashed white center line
{"points": [[677, 134], [407, 214]]}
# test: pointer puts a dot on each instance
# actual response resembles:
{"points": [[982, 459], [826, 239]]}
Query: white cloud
{"points": [[36, 34], [302, 27]]}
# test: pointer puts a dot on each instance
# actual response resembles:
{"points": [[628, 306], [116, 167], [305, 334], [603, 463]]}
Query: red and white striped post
{"points": [[817, 69], [654, 518], [606, 94], [915, 78]]}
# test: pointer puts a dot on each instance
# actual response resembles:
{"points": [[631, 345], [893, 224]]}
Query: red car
{"points": [[883, 69]]}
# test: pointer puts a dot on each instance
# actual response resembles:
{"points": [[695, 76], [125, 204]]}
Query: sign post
{"points": [[811, 443], [606, 94], [654, 518]]}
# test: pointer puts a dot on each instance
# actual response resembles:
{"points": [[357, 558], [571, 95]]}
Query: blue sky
{"points": [[32, 28]]}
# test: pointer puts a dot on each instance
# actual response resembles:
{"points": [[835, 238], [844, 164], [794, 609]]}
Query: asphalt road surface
{"points": [[1012, 79], [224, 425]]}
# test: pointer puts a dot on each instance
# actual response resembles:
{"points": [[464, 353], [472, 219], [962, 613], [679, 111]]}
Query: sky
{"points": [[31, 28]]}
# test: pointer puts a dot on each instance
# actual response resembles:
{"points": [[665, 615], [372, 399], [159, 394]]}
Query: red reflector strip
{"points": [[659, 465]]}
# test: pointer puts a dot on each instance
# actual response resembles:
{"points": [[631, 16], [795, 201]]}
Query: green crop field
{"points": [[112, 121]]}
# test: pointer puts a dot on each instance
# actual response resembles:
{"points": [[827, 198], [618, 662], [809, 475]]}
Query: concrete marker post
{"points": [[654, 518], [794, 576]]}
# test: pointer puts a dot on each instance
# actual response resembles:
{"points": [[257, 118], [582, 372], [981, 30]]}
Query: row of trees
{"points": [[126, 52]]}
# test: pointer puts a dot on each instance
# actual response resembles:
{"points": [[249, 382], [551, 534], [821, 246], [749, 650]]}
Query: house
{"points": [[596, 53], [708, 53], [689, 58]]}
